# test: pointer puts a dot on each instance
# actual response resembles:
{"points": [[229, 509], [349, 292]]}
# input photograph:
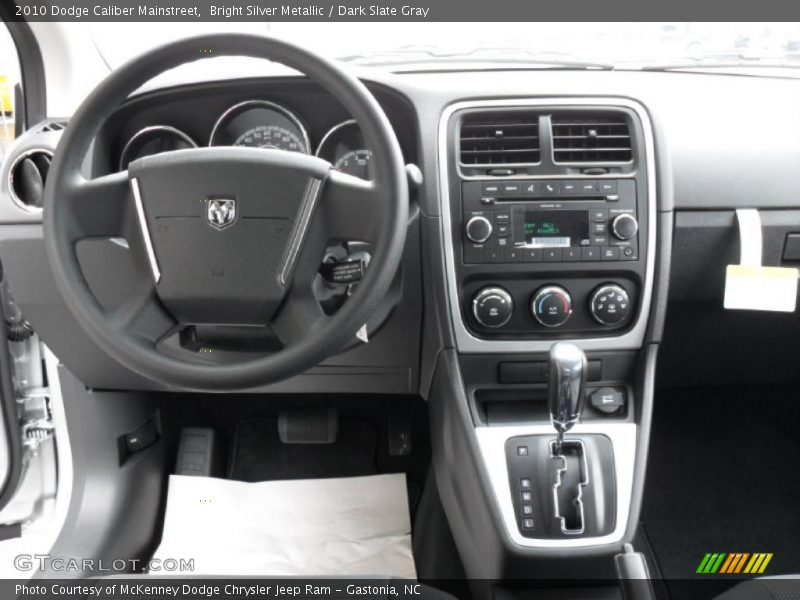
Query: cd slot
{"points": [[511, 199]]}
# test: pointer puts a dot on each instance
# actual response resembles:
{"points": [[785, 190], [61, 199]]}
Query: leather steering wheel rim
{"points": [[64, 208]]}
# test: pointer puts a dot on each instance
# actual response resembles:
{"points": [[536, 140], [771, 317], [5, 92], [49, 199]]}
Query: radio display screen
{"points": [[555, 228]]}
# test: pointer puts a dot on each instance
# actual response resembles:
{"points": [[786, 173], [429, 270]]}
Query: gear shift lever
{"points": [[567, 386]]}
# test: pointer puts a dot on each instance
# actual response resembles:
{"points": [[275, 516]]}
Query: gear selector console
{"points": [[553, 491]]}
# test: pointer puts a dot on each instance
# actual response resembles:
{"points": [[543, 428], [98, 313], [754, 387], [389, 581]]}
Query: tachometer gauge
{"points": [[260, 124], [154, 140], [343, 146]]}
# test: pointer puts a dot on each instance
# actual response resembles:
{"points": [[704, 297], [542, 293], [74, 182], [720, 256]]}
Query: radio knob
{"points": [[624, 227], [610, 304], [551, 306], [492, 306], [479, 229]]}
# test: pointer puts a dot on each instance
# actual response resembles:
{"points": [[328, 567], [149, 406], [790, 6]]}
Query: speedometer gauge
{"points": [[343, 146], [260, 124], [271, 136]]}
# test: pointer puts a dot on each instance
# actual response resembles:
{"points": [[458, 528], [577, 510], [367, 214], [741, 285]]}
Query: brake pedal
{"points": [[308, 425]]}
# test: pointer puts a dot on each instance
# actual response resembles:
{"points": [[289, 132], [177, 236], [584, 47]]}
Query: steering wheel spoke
{"points": [[98, 207], [142, 316], [352, 207]]}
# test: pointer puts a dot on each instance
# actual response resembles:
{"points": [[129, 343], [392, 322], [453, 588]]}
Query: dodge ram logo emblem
{"points": [[221, 213]]}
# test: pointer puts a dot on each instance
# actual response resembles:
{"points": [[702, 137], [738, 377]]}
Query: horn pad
{"points": [[221, 221]]}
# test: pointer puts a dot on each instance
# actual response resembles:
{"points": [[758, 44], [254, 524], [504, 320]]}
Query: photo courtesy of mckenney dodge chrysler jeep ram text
{"points": [[323, 308]]}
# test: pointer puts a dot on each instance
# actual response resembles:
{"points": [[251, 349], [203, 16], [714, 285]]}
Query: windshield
{"points": [[429, 45]]}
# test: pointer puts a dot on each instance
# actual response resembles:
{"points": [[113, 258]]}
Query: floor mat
{"points": [[259, 454], [354, 526], [723, 477]]}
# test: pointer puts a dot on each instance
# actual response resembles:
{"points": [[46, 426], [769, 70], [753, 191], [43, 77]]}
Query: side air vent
{"points": [[27, 177], [591, 138], [508, 138], [54, 126]]}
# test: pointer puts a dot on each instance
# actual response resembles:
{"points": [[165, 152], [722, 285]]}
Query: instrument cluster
{"points": [[259, 124]]}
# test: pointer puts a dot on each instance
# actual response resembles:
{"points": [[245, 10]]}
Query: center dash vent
{"points": [[499, 138], [591, 138]]}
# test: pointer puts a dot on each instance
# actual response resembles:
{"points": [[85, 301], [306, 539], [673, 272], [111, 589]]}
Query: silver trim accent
{"points": [[333, 130], [497, 290], [148, 242], [583, 483], [465, 340], [14, 164], [492, 444], [276, 107], [549, 289], [307, 207], [605, 288], [614, 226], [146, 130], [473, 219]]}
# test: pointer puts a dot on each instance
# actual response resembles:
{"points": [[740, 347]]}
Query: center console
{"points": [[549, 229]]}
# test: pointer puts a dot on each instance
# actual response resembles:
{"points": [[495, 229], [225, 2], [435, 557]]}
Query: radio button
{"points": [[570, 187], [610, 253], [493, 255], [590, 254], [599, 214], [530, 188], [511, 255], [551, 254], [607, 186], [550, 188], [502, 230], [502, 216], [512, 188], [588, 187], [570, 254], [491, 189], [533, 254]]}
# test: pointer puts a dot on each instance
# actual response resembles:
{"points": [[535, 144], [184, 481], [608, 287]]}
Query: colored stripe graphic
{"points": [[734, 563]]}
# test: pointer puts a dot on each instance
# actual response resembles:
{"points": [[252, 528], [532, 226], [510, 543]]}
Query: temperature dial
{"points": [[492, 307], [551, 306], [610, 304]]}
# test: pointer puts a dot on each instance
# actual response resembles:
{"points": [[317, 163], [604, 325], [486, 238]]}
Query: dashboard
{"points": [[683, 175]]}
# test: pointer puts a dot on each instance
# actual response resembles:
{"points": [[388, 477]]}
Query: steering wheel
{"points": [[225, 235]]}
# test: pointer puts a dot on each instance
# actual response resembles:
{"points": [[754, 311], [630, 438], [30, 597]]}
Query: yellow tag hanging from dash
{"points": [[751, 286], [760, 288]]}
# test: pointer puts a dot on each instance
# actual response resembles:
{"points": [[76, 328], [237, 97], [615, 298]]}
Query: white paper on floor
{"points": [[308, 527]]}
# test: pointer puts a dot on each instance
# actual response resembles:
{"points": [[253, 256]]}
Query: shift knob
{"points": [[567, 386]]}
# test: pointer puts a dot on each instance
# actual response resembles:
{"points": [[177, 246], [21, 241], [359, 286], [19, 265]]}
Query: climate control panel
{"points": [[574, 305]]}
